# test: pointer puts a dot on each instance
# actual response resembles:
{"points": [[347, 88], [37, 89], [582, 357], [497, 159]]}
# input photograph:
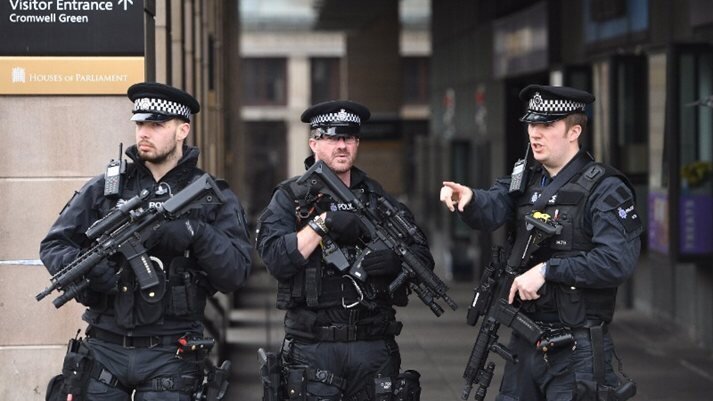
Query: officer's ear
{"points": [[574, 132], [183, 129], [313, 144]]}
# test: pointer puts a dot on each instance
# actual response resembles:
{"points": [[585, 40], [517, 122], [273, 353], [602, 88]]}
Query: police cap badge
{"points": [[158, 102], [551, 103], [336, 117]]}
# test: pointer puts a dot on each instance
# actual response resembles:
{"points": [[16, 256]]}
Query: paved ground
{"points": [[659, 357]]}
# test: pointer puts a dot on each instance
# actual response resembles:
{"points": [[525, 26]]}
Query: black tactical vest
{"points": [[567, 206], [319, 286], [183, 289]]}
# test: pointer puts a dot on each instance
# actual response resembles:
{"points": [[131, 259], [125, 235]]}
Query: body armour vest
{"points": [[319, 286], [573, 306], [182, 291]]}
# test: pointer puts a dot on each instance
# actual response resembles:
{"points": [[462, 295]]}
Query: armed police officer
{"points": [[339, 331], [134, 335], [570, 282]]}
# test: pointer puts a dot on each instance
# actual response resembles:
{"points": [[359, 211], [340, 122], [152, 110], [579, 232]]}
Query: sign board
{"points": [[69, 75], [71, 46]]}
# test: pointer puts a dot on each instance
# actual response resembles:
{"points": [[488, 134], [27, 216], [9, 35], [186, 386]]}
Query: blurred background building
{"points": [[441, 79]]}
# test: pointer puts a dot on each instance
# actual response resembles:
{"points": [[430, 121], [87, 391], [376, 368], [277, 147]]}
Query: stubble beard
{"points": [[162, 157], [340, 168]]}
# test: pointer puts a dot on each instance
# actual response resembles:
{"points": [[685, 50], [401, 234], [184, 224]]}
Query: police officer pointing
{"points": [[133, 339], [339, 334], [570, 282]]}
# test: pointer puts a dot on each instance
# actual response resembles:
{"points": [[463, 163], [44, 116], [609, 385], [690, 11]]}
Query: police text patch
{"points": [[628, 216]]}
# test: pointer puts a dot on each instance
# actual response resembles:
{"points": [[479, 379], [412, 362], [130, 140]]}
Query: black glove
{"points": [[383, 262], [346, 228], [103, 276], [176, 235]]}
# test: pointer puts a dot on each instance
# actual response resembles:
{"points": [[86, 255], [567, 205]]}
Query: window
{"points": [[415, 76], [267, 141], [325, 79], [696, 122], [695, 157], [264, 81]]}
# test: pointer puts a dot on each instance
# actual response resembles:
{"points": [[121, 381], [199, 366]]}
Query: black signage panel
{"points": [[71, 28]]}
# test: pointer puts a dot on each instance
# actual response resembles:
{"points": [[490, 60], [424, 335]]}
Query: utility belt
{"points": [[345, 333], [558, 335], [132, 341], [303, 324]]}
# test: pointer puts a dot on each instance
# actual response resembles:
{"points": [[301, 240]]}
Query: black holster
{"points": [[590, 391], [271, 375], [596, 390], [407, 386], [218, 381], [76, 371], [215, 382]]}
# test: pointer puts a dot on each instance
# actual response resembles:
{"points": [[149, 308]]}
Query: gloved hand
{"points": [[103, 276], [383, 262], [176, 235], [346, 228]]}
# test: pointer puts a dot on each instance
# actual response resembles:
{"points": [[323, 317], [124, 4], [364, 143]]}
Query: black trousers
{"points": [[357, 362], [135, 367], [552, 376]]}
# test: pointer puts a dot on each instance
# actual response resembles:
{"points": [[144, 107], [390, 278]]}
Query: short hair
{"points": [[576, 119]]}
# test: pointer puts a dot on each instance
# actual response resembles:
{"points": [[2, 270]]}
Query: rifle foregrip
{"points": [[479, 354], [65, 277], [70, 293]]}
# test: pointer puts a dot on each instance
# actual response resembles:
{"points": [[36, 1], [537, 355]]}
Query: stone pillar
{"points": [[51, 146], [298, 100]]}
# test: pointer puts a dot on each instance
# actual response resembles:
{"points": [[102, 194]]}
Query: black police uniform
{"points": [[338, 347], [134, 338], [595, 252]]}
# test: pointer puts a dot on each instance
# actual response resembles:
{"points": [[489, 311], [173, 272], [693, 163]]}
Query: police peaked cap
{"points": [[336, 117], [158, 102], [551, 103]]}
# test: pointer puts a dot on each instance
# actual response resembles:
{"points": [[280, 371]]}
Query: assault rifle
{"points": [[490, 302], [123, 231], [389, 230]]}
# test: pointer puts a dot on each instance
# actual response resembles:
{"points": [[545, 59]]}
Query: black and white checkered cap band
{"points": [[342, 116], [554, 105], [161, 106]]}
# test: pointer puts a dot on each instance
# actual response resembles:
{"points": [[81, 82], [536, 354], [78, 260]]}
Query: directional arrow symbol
{"points": [[125, 3]]}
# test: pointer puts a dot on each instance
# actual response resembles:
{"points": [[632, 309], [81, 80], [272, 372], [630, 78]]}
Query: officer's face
{"points": [[553, 144], [338, 153], [159, 141]]}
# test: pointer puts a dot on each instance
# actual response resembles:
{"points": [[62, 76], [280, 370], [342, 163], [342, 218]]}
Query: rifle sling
{"points": [[596, 334], [570, 170]]}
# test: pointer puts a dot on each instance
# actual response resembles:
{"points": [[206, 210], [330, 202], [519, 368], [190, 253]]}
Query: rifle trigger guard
{"points": [[358, 289]]}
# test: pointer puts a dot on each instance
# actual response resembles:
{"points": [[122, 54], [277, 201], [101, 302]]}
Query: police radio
{"points": [[518, 178], [112, 176]]}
